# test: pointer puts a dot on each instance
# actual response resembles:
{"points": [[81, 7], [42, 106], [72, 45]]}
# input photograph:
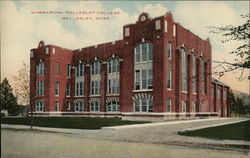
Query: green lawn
{"points": [[236, 131], [70, 122]]}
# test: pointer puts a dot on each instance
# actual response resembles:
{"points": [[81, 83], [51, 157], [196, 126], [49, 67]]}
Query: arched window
{"points": [[143, 52], [225, 94], [218, 93], [143, 105], [169, 105], [95, 68], [203, 76], [113, 81], [79, 70], [113, 65], [184, 70]]}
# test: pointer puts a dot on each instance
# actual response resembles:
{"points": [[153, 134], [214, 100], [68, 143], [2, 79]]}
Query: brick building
{"points": [[158, 70]]}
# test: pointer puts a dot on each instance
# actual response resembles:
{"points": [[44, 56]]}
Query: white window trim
{"points": [[140, 80]]}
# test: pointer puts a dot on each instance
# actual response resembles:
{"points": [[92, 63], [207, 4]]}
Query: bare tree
{"points": [[241, 34]]}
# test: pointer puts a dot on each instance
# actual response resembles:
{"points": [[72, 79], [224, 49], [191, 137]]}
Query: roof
{"points": [[219, 82]]}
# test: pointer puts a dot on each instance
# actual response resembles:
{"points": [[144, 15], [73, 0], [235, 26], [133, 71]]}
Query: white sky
{"points": [[21, 31]]}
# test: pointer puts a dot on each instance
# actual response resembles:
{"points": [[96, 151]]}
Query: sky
{"points": [[21, 30]]}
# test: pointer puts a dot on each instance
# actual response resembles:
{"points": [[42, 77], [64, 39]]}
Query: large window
{"points": [[95, 106], [95, 87], [170, 49], [113, 86], [113, 106], [79, 88], [143, 79], [143, 52], [79, 70], [143, 105], [40, 87], [194, 75], [40, 106], [113, 81], [57, 87], [40, 69], [169, 104], [79, 106], [95, 68], [184, 70]]}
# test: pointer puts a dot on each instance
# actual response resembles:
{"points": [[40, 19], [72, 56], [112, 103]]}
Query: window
{"points": [[40, 69], [47, 50], [126, 31], [68, 89], [57, 88], [143, 79], [169, 104], [79, 106], [169, 78], [174, 30], [57, 68], [113, 65], [184, 105], [218, 93], [157, 24], [170, 50], [79, 88], [137, 79], [113, 106], [113, 86], [184, 70], [95, 68], [194, 76], [95, 106], [39, 106], [166, 26], [40, 88], [143, 105], [193, 107], [95, 87], [80, 70], [68, 70], [68, 106], [224, 94], [57, 106], [143, 52], [203, 76], [212, 91]]}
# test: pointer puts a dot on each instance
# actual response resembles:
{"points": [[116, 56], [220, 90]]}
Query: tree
{"points": [[237, 104], [8, 100], [22, 85], [241, 34]]}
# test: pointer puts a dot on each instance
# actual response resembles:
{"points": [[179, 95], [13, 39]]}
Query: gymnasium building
{"points": [[158, 70]]}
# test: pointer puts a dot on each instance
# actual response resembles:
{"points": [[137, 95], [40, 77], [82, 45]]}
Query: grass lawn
{"points": [[236, 131], [69, 122]]}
